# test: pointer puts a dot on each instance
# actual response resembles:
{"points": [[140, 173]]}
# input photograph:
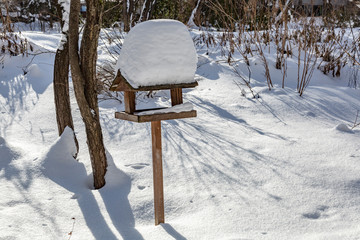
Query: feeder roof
{"points": [[158, 52]]}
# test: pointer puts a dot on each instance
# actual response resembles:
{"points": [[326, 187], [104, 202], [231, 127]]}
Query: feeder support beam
{"points": [[157, 172]]}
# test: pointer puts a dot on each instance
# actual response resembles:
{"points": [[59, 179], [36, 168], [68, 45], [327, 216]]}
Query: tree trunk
{"points": [[194, 15], [61, 87], [147, 9], [83, 72], [128, 14], [125, 16]]}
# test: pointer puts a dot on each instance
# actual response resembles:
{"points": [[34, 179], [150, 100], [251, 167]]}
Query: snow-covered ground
{"points": [[276, 167]]}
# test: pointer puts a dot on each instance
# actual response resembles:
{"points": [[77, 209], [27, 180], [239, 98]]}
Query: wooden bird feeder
{"points": [[134, 115], [156, 55], [154, 116]]}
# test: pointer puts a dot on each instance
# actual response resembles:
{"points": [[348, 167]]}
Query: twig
{"points": [[115, 6], [72, 229], [247, 83], [355, 122]]}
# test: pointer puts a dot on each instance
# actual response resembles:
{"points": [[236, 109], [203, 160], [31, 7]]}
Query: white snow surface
{"points": [[277, 167], [158, 52], [174, 109]]}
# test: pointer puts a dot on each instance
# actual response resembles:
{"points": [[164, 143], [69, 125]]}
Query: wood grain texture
{"points": [[154, 117], [129, 100], [157, 172], [176, 96]]}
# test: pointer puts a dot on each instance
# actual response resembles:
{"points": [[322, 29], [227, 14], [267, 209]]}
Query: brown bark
{"points": [[83, 72], [126, 17], [61, 89], [157, 172], [128, 14]]}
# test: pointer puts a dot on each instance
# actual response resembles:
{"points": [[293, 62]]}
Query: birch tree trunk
{"points": [[83, 72], [193, 15], [146, 11]]}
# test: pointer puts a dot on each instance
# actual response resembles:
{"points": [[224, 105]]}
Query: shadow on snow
{"points": [[71, 175]]}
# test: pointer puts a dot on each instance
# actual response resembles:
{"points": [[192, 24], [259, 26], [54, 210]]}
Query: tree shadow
{"points": [[7, 155], [21, 86], [62, 169], [222, 113], [72, 176], [115, 196], [15, 93], [21, 179], [204, 150]]}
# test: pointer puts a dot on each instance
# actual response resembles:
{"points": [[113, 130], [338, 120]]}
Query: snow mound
{"points": [[63, 148], [158, 52], [342, 127], [34, 71], [38, 78], [115, 178], [61, 167], [174, 109]]}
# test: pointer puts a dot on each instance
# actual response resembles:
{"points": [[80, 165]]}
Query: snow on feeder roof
{"points": [[156, 53]]}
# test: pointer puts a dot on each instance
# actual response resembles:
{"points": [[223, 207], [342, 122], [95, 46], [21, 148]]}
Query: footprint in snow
{"points": [[356, 154], [310, 114], [354, 185], [318, 213], [137, 165], [312, 215], [141, 187]]}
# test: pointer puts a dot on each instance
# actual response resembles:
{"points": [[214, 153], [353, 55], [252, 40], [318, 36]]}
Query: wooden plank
{"points": [[129, 100], [121, 84], [154, 117], [157, 172], [167, 116], [176, 96], [126, 116]]}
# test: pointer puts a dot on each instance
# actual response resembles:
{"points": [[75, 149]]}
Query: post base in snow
{"points": [[157, 172]]}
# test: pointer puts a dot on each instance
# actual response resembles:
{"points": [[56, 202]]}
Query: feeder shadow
{"points": [[71, 175], [171, 231]]}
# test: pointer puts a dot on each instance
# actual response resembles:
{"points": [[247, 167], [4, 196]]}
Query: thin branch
{"points": [[356, 119]]}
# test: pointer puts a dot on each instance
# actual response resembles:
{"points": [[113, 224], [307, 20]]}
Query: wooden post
{"points": [[176, 96], [129, 100], [157, 172]]}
